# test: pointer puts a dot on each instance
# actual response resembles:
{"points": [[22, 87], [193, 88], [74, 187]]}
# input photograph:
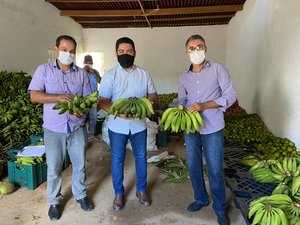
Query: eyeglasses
{"points": [[197, 48]]}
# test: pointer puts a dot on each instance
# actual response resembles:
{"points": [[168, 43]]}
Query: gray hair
{"points": [[194, 37]]}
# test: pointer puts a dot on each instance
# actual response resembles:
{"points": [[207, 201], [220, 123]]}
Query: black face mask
{"points": [[126, 60]]}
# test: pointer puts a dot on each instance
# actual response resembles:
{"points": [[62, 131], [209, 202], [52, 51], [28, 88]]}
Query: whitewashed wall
{"points": [[263, 53], [159, 50], [28, 27]]}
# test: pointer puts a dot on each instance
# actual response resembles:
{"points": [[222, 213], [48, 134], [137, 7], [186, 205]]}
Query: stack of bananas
{"points": [[79, 106], [262, 173], [29, 161], [180, 119], [274, 171], [270, 210], [132, 107]]}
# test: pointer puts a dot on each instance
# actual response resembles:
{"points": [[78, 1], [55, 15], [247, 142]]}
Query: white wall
{"points": [[28, 27], [159, 50], [263, 53]]}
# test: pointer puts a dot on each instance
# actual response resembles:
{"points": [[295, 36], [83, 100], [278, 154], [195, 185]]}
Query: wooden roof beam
{"points": [[155, 20], [151, 12]]}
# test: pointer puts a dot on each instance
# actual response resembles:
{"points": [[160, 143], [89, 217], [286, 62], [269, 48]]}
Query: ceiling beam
{"points": [[151, 12], [91, 1], [155, 20]]}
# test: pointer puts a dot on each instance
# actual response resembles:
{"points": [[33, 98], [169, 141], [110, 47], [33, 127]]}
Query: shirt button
{"points": [[197, 82], [198, 92]]}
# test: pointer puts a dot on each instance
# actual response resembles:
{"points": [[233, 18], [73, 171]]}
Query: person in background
{"points": [[56, 82], [206, 88], [123, 81], [95, 79]]}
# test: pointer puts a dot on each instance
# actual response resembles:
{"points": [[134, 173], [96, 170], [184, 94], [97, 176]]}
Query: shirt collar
{"points": [[132, 69], [73, 67], [206, 64]]}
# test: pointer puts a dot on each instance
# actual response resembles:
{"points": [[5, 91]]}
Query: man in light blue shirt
{"points": [[206, 88], [123, 81]]}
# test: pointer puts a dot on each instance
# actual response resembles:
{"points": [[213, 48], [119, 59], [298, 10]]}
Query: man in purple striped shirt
{"points": [[206, 88], [60, 81]]}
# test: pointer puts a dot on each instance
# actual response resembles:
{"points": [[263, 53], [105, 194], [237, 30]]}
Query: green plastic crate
{"points": [[162, 139], [27, 176], [32, 140], [14, 150]]}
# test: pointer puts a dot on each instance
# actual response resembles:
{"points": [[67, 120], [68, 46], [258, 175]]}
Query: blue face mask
{"points": [[125, 60]]}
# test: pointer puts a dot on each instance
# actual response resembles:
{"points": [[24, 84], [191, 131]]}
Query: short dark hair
{"points": [[195, 37], [88, 58], [124, 40], [64, 37]]}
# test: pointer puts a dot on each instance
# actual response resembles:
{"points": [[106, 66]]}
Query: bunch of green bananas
{"points": [[269, 210], [79, 105], [249, 160], [295, 188], [262, 173], [285, 170], [180, 119], [29, 161], [132, 107]]}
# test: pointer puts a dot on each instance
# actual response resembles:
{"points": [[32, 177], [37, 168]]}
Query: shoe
{"points": [[223, 220], [118, 203], [54, 212], [85, 204], [196, 206], [143, 199]]}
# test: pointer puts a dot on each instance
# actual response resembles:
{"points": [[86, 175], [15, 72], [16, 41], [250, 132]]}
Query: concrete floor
{"points": [[169, 201]]}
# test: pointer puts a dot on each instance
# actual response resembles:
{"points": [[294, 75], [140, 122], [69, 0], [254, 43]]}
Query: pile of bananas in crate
{"points": [[283, 206], [79, 105], [180, 119], [29, 161], [132, 107]]}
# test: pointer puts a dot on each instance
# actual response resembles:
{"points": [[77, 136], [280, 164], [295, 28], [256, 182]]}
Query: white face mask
{"points": [[89, 65], [197, 57], [66, 58]]}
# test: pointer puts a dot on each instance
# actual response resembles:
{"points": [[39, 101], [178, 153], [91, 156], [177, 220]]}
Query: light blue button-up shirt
{"points": [[212, 83], [118, 83]]}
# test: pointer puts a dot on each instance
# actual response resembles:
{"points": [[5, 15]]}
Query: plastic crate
{"points": [[32, 140], [162, 139], [14, 150], [27, 176]]}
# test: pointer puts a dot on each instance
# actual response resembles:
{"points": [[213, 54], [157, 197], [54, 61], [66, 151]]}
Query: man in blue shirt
{"points": [[206, 88], [123, 81], [95, 79]]}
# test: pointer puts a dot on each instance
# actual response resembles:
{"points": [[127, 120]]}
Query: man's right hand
{"points": [[65, 97]]}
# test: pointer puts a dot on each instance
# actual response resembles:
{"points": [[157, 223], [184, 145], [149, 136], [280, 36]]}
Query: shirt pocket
{"points": [[52, 86], [140, 89], [76, 88]]}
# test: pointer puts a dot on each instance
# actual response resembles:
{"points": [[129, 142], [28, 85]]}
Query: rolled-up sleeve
{"points": [[228, 96]]}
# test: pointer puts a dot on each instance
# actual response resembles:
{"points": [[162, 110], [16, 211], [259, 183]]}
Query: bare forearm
{"points": [[104, 104], [199, 107], [42, 97], [153, 97]]}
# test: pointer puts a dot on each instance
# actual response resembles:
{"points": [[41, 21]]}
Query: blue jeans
{"points": [[92, 120], [118, 151], [56, 147], [213, 147]]}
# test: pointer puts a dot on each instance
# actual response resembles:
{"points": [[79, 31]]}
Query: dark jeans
{"points": [[213, 147], [118, 144]]}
